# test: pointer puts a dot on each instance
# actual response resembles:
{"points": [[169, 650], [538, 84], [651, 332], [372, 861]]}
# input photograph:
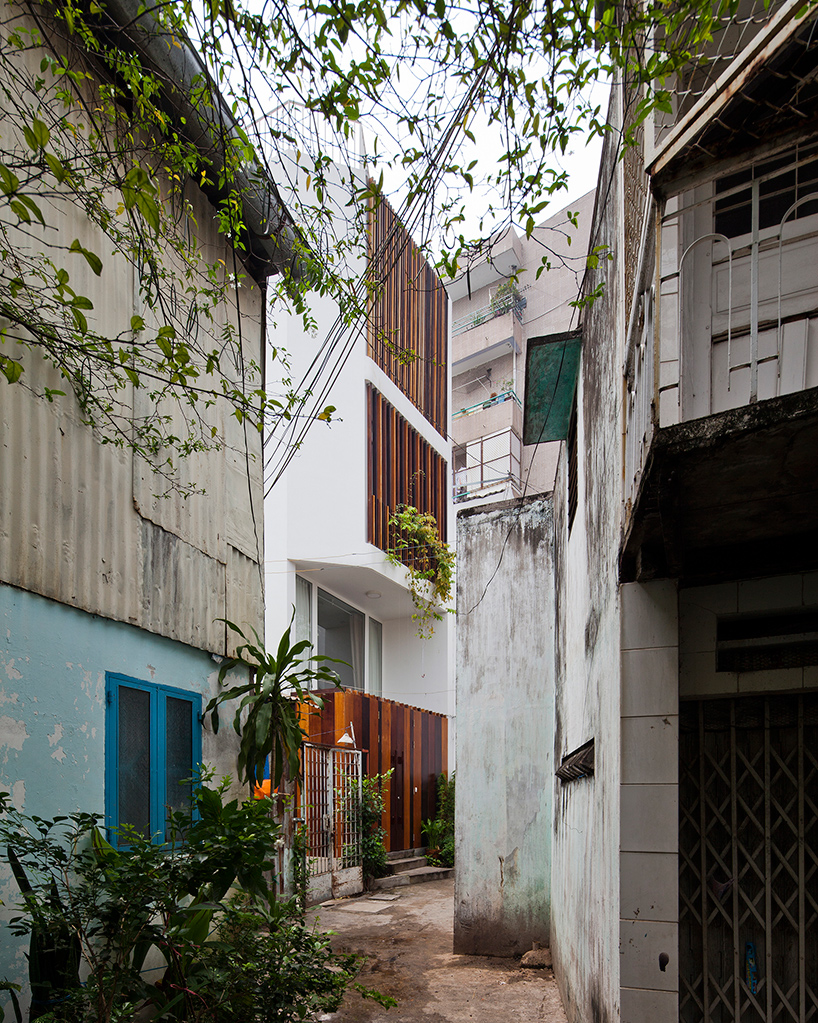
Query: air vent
{"points": [[579, 764], [765, 642]]}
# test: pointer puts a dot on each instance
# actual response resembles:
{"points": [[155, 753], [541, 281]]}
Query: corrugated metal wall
{"points": [[413, 742], [91, 526]]}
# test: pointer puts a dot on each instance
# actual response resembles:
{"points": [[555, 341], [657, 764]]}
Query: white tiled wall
{"points": [[649, 816], [668, 650]]}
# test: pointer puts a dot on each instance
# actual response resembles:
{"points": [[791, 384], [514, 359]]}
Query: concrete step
{"points": [[409, 863], [400, 854], [416, 876]]}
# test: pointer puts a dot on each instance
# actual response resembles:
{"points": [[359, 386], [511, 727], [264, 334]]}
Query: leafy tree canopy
{"points": [[452, 99]]}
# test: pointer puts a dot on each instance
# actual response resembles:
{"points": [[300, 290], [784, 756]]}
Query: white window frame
{"points": [[314, 587]]}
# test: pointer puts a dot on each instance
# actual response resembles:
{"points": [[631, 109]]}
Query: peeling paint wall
{"points": [[585, 873], [505, 701], [52, 713]]}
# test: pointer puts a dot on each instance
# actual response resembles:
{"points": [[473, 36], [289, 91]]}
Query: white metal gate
{"points": [[330, 808], [748, 852]]}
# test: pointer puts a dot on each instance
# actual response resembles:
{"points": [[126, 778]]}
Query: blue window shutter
{"points": [[119, 760]]}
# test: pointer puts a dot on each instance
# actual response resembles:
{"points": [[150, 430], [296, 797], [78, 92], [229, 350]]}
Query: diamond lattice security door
{"points": [[748, 858]]}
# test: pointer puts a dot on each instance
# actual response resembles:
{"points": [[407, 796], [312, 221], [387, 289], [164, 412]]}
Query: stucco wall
{"points": [[585, 873], [505, 771], [52, 712]]}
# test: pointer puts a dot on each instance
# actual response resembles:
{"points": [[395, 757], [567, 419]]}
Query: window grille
{"points": [[768, 641]]}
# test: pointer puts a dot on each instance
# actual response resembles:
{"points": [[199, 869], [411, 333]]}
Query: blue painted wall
{"points": [[53, 660]]}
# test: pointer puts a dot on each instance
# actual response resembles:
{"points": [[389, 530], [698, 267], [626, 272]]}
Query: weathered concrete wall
{"points": [[505, 717], [53, 660], [585, 872]]}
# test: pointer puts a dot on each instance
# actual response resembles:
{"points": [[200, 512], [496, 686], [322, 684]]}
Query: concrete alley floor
{"points": [[406, 934]]}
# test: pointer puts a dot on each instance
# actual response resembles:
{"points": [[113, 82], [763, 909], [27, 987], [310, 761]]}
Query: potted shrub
{"points": [[434, 834]]}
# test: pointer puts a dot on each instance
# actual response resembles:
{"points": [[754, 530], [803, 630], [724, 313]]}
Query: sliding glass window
{"points": [[341, 635]]}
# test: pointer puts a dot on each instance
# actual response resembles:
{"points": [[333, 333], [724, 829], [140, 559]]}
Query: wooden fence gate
{"points": [[748, 850], [330, 801]]}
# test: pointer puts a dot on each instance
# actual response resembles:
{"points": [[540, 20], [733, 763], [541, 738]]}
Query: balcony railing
{"points": [[513, 302], [739, 308], [736, 317], [495, 399], [490, 462]]}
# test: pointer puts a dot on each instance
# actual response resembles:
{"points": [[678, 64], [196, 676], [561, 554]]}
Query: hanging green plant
{"points": [[415, 543]]}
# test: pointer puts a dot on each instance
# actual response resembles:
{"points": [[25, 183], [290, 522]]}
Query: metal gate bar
{"points": [[330, 808], [748, 860]]}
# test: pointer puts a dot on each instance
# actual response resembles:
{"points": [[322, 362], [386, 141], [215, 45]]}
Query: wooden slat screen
{"points": [[409, 320], [402, 469], [411, 741]]}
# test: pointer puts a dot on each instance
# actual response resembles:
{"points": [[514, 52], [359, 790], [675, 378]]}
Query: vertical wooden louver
{"points": [[403, 469], [408, 323]]}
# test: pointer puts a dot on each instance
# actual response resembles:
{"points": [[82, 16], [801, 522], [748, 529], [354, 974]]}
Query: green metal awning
{"points": [[551, 370]]}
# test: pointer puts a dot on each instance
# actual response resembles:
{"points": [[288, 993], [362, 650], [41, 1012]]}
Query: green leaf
{"points": [[165, 346], [137, 324], [91, 258], [9, 182], [21, 211], [31, 205], [148, 208], [36, 134], [11, 369], [58, 168]]}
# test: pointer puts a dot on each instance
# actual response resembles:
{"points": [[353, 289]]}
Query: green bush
{"points": [[224, 958], [442, 828], [373, 850]]}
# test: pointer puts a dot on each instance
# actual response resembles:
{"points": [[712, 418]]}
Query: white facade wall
{"points": [[316, 516]]}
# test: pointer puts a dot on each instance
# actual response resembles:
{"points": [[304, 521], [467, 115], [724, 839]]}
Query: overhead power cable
{"points": [[406, 219]]}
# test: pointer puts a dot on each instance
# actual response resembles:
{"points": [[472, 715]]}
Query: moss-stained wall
{"points": [[505, 727]]}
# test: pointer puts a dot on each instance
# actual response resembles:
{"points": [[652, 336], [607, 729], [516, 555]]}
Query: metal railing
{"points": [[735, 320], [490, 461], [497, 307], [743, 310], [330, 792], [495, 399]]}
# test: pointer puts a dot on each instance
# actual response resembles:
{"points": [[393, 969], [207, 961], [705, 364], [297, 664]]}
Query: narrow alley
{"points": [[406, 934]]}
